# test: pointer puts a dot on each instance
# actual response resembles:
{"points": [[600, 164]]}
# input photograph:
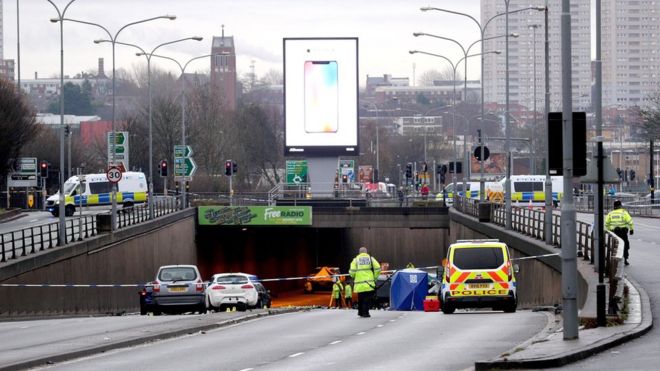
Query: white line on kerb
{"points": [[33, 220], [361, 333], [380, 325], [246, 369], [335, 342], [296, 355]]}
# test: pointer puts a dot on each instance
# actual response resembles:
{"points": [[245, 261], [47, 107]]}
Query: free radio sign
{"points": [[113, 174]]}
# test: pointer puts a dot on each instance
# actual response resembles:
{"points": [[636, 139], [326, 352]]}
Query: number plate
{"points": [[177, 289], [478, 286]]}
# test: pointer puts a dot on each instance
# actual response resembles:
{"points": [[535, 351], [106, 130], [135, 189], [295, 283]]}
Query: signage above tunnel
{"points": [[255, 215]]}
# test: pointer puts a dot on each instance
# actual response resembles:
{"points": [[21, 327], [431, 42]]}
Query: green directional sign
{"points": [[184, 164], [120, 138], [121, 154], [296, 171]]}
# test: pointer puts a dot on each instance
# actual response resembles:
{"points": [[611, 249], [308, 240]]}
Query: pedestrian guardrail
{"points": [[26, 241]]}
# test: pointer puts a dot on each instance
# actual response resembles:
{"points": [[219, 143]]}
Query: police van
{"points": [[478, 274], [526, 188], [494, 191], [95, 190]]}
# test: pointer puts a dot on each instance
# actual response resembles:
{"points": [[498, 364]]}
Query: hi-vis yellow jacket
{"points": [[364, 271], [618, 218]]}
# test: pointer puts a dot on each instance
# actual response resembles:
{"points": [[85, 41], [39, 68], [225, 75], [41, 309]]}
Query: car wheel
{"points": [[143, 310], [209, 306], [241, 307], [157, 311], [448, 308], [202, 309], [510, 307], [55, 213], [259, 304]]}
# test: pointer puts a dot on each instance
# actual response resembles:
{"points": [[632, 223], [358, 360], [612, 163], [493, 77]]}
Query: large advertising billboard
{"points": [[321, 96]]}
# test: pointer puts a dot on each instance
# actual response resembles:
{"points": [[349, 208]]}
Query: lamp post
{"points": [[548, 181], [482, 29], [183, 95], [113, 41], [534, 27], [61, 232], [18, 47]]}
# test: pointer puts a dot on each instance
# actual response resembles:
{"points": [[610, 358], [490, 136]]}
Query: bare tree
{"points": [[17, 124], [427, 78]]}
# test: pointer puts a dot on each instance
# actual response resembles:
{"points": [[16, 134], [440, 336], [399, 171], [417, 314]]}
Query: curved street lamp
{"points": [[61, 232], [148, 55], [183, 97], [113, 40], [482, 29]]}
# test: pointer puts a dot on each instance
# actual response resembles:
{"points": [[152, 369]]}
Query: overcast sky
{"points": [[384, 29]]}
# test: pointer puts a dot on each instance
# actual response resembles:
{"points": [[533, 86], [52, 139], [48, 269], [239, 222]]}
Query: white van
{"points": [[491, 188], [532, 187], [95, 190]]}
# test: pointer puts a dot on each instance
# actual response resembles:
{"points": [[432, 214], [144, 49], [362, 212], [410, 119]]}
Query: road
{"points": [[642, 353], [37, 218], [297, 341]]}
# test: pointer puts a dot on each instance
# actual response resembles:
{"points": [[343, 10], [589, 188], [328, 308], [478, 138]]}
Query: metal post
{"points": [[68, 139], [18, 47], [150, 198], [568, 238], [81, 181], [507, 128], [650, 171], [62, 224], [482, 182], [466, 159], [183, 139], [113, 194], [598, 201], [548, 180], [600, 288], [534, 134], [377, 145]]}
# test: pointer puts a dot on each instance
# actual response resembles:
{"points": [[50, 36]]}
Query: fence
{"points": [[34, 239]]}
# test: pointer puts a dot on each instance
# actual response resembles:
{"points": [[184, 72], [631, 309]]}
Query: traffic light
{"points": [[43, 169], [632, 175], [425, 167], [234, 167], [409, 173], [163, 168], [228, 167], [620, 173], [344, 178]]}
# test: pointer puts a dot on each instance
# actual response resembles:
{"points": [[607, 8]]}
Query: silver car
{"points": [[178, 288]]}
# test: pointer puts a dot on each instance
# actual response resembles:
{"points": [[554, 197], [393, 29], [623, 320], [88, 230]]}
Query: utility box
{"points": [[103, 223], [484, 211]]}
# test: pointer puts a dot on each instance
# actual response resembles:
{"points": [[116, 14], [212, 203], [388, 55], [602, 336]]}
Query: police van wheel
{"points": [[69, 210], [510, 307], [55, 213]]}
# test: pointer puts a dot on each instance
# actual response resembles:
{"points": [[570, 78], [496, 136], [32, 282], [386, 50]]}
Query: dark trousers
{"points": [[623, 234], [349, 302], [364, 303]]}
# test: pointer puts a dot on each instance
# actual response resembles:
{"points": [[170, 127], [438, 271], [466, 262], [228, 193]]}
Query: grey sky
{"points": [[384, 28]]}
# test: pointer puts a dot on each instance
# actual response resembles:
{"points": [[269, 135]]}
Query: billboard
{"points": [[321, 96], [495, 165], [365, 174], [255, 215]]}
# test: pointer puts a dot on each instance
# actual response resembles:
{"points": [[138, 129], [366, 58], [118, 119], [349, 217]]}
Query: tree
{"points": [[651, 118], [17, 124], [77, 101], [428, 77]]}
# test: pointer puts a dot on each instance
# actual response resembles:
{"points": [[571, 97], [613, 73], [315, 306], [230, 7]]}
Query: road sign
{"points": [[121, 150], [184, 165], [25, 173], [477, 153], [113, 174], [296, 171]]}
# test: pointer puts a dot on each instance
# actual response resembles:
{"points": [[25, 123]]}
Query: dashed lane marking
{"points": [[296, 355], [335, 342], [361, 333]]}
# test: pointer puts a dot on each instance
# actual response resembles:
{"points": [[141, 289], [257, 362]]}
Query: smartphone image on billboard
{"points": [[321, 96]]}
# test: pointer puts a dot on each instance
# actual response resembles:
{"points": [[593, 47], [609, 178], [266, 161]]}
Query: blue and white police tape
{"points": [[279, 279]]}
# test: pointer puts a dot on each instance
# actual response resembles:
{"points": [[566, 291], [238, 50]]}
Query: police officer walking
{"points": [[337, 291], [364, 271], [620, 222], [348, 294]]}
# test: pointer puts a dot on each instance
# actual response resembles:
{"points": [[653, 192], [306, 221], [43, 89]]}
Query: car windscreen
{"points": [[232, 280], [478, 257], [528, 186], [177, 274]]}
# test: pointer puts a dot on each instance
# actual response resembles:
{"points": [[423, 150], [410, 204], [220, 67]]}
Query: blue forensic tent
{"points": [[409, 289]]}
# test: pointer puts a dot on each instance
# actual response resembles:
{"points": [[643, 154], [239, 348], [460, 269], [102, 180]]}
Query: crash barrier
{"points": [[530, 222], [635, 204], [31, 240]]}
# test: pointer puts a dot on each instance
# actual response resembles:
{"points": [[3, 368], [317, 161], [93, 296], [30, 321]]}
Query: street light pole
{"points": [[548, 180], [113, 40], [568, 237], [534, 27], [61, 235], [507, 124], [183, 97]]}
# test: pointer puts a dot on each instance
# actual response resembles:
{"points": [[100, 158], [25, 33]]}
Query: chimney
{"points": [[101, 72], [36, 75]]}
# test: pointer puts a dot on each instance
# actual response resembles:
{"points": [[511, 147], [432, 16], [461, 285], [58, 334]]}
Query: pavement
{"points": [[549, 349]]}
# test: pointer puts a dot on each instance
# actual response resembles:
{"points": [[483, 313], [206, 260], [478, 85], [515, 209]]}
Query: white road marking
{"points": [[247, 369], [380, 325], [335, 342], [361, 333], [392, 320], [296, 355], [33, 220]]}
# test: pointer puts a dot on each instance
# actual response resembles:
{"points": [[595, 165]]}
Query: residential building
{"points": [[522, 58], [386, 80], [7, 69], [223, 70], [630, 51]]}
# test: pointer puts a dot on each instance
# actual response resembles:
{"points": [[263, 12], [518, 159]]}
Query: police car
{"points": [[478, 274]]}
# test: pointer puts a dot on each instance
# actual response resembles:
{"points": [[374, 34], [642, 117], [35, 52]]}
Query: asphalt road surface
{"points": [[642, 353], [332, 339]]}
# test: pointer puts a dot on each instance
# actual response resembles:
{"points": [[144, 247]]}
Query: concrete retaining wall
{"points": [[130, 256]]}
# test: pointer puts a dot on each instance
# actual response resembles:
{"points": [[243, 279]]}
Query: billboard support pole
{"points": [[322, 175]]}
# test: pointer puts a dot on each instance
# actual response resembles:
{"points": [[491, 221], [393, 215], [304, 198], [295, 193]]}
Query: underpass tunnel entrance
{"points": [[271, 252]]}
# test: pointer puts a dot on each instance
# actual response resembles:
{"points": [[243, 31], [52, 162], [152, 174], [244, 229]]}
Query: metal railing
{"points": [[31, 240]]}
